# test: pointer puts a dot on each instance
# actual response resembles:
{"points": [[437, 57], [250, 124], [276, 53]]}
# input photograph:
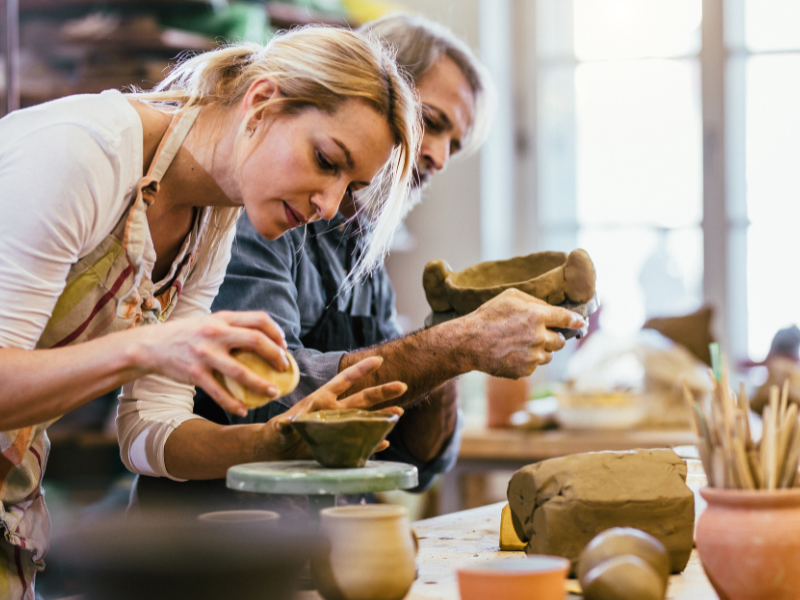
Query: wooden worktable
{"points": [[472, 536], [514, 445]]}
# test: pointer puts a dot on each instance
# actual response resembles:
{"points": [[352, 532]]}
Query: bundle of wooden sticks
{"points": [[730, 458]]}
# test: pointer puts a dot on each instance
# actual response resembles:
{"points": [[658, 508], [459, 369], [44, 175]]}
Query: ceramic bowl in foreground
{"points": [[343, 439], [537, 576]]}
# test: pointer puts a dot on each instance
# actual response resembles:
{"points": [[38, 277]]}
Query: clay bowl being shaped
{"points": [[343, 439], [555, 277], [749, 543], [537, 576]]}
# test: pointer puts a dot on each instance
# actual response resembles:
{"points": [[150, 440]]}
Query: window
{"points": [[620, 149]]}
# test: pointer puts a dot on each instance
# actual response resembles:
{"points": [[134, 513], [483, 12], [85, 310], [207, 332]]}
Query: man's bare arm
{"points": [[508, 336]]}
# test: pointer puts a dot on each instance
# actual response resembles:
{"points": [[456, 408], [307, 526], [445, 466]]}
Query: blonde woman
{"points": [[116, 217]]}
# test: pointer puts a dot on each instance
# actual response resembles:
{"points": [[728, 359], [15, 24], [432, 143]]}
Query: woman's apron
{"points": [[108, 290]]}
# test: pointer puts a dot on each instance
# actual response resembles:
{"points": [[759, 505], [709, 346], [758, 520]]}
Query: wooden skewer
{"points": [[744, 401], [784, 399], [742, 466], [789, 476], [785, 435]]}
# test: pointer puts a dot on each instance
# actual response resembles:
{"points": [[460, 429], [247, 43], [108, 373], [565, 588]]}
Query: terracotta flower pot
{"points": [[749, 543]]}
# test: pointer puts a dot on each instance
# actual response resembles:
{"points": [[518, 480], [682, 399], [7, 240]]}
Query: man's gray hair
{"points": [[420, 42]]}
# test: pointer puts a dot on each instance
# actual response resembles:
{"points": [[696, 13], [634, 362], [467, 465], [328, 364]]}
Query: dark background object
{"points": [[171, 556]]}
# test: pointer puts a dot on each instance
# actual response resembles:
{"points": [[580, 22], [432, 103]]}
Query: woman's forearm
{"points": [[200, 449], [39, 385]]}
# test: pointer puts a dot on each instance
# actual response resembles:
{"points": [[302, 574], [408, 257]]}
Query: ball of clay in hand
{"points": [[285, 381], [624, 577], [625, 540]]}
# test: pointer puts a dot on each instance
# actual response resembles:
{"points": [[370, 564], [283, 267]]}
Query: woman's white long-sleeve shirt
{"points": [[68, 172]]}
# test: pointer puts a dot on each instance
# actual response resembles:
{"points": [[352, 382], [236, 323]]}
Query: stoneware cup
{"points": [[749, 543], [371, 553], [536, 576]]}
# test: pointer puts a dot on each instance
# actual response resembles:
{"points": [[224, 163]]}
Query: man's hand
{"points": [[512, 334]]}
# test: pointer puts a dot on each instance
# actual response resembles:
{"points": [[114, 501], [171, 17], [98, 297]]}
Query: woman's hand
{"points": [[281, 442], [191, 350]]}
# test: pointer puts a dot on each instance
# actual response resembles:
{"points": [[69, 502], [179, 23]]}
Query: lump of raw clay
{"points": [[625, 577], [559, 505], [286, 381], [619, 541], [555, 277]]}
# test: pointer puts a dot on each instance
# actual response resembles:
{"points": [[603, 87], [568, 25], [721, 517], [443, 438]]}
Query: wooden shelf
{"points": [[38, 5], [284, 16]]}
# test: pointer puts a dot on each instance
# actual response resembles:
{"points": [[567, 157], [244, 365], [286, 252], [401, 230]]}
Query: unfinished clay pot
{"points": [[554, 277], [624, 577], [749, 543], [619, 541], [371, 553], [343, 439]]}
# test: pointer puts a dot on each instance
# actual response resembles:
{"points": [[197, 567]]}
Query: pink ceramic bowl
{"points": [[536, 576]]}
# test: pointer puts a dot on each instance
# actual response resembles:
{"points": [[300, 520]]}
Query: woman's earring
{"points": [[249, 131]]}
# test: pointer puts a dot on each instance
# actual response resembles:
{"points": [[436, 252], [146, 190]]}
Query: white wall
{"points": [[447, 223], [452, 223]]}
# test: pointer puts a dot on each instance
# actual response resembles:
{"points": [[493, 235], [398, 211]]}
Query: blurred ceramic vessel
{"points": [[371, 554], [749, 543], [600, 410], [536, 576]]}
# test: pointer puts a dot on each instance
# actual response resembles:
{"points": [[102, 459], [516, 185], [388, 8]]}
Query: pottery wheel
{"points": [[311, 478]]}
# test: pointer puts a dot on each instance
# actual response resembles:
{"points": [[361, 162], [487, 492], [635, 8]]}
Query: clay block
{"points": [[559, 505]]}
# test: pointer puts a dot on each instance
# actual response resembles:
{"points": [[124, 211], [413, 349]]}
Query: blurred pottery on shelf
{"points": [[536, 576], [749, 543], [600, 410], [343, 439], [371, 554], [504, 397]]}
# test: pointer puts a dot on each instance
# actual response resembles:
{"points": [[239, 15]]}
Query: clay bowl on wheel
{"points": [[343, 439]]}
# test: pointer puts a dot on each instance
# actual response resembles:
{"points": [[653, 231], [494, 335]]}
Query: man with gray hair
{"points": [[298, 279]]}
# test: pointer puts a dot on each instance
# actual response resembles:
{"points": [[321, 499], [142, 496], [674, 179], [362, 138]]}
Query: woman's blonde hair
{"points": [[313, 67]]}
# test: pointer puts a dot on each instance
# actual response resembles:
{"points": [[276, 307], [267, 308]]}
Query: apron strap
{"points": [[171, 142]]}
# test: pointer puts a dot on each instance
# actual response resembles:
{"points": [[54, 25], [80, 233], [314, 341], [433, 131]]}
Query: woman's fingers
{"points": [[244, 333], [227, 365], [220, 395], [344, 380], [374, 396], [256, 319]]}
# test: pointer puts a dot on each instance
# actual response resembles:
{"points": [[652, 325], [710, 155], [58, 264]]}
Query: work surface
{"points": [[519, 445], [471, 536]]}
